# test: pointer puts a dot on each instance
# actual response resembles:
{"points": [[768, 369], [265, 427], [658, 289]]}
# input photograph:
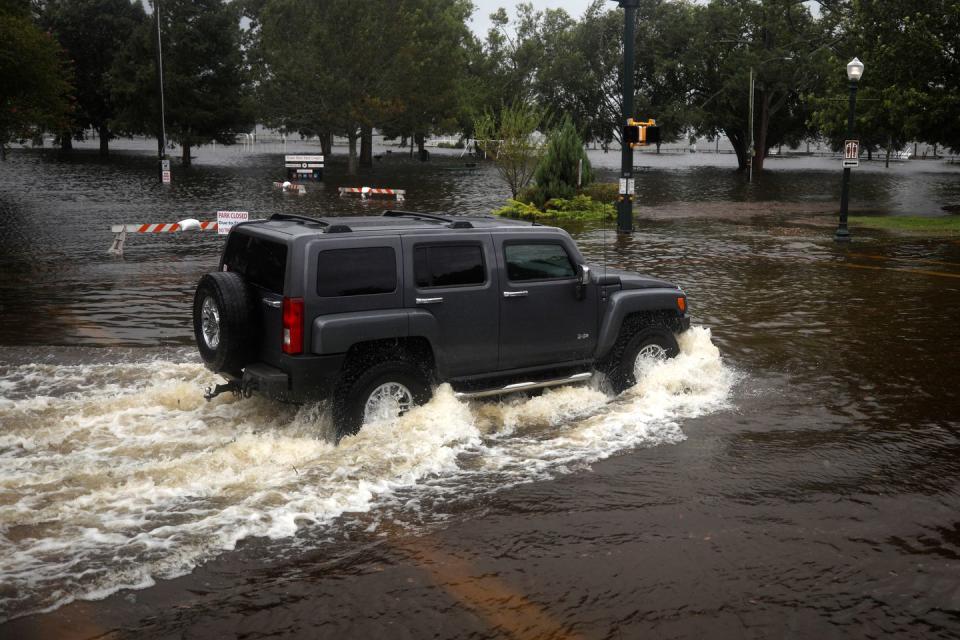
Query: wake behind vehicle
{"points": [[372, 312]]}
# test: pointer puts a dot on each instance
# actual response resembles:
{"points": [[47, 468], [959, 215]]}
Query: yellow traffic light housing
{"points": [[640, 133]]}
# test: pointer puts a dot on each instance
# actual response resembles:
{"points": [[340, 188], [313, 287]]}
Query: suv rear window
{"points": [[261, 262], [356, 272], [449, 265], [540, 261]]}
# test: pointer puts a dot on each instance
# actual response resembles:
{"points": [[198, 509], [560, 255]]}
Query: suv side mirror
{"points": [[584, 275], [583, 279]]}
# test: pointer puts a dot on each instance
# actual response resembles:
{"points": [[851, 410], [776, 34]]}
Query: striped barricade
{"points": [[366, 192], [120, 231]]}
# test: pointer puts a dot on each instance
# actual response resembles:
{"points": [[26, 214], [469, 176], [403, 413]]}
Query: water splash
{"points": [[118, 474]]}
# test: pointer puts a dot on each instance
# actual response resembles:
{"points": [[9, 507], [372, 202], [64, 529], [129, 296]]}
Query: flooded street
{"points": [[795, 472]]}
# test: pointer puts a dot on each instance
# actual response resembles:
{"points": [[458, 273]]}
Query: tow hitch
{"points": [[239, 388]]}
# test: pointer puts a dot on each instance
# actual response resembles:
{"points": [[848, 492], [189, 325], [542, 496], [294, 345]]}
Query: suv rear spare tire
{"points": [[384, 391], [223, 322]]}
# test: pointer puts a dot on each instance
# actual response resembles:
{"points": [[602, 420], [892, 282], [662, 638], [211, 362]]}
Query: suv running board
{"points": [[523, 386]]}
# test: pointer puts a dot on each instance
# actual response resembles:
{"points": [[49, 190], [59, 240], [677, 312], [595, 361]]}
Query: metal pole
{"points": [[161, 140], [843, 234], [750, 149], [625, 203]]}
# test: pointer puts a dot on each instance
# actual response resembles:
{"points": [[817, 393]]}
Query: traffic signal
{"points": [[638, 133]]}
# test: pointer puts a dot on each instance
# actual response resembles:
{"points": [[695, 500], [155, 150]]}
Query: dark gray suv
{"points": [[372, 312]]}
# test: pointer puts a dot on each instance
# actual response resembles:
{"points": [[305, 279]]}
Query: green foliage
{"points": [[341, 66], [34, 85], [926, 225], [579, 207], [93, 33], [508, 139], [602, 191], [556, 175], [204, 75]]}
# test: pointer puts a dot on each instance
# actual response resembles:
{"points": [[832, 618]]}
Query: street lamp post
{"points": [[854, 73]]}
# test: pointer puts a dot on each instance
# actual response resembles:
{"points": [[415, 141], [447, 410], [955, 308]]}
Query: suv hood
{"points": [[628, 279]]}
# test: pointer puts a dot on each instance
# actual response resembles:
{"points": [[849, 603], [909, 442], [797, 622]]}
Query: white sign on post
{"points": [[165, 176], [626, 186], [226, 220], [851, 153]]}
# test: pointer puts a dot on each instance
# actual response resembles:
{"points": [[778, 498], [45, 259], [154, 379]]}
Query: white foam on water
{"points": [[115, 475]]}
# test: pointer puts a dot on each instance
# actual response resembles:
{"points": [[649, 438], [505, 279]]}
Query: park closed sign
{"points": [[851, 154], [226, 220]]}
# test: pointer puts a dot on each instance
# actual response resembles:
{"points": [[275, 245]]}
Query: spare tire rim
{"points": [[386, 402], [210, 323]]}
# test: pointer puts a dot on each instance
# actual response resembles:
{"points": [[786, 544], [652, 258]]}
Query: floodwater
{"points": [[794, 472]]}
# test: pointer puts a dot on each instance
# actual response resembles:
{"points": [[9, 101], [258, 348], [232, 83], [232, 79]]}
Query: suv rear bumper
{"points": [[307, 378]]}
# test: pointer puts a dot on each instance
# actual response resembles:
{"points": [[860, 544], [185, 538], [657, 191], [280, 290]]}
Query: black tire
{"points": [[350, 398], [232, 349], [621, 373]]}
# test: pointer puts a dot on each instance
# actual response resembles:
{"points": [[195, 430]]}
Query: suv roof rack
{"points": [[327, 226], [433, 217], [392, 213]]}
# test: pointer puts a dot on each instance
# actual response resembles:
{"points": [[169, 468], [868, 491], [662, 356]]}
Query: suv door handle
{"points": [[514, 294], [429, 300], [276, 304]]}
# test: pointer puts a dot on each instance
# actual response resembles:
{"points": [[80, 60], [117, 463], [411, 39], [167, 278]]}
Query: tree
{"points": [[34, 85], [787, 49], [204, 75], [910, 88], [509, 140], [564, 167], [93, 32]]}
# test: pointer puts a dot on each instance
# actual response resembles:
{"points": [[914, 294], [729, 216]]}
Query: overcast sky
{"points": [[483, 9]]}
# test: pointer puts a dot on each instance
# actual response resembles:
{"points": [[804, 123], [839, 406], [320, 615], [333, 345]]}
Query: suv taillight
{"points": [[293, 325]]}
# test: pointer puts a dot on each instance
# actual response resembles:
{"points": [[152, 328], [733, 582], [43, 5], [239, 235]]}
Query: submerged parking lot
{"points": [[794, 472]]}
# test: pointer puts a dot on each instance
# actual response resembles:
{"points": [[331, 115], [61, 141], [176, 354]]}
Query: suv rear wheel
{"points": [[223, 322], [382, 392], [647, 345]]}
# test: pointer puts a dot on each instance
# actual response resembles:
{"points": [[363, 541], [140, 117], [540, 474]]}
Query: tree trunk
{"points": [[186, 153], [424, 155], [352, 157], [739, 147], [886, 162], [366, 147], [403, 141], [104, 133], [658, 146], [412, 137], [869, 154], [66, 141], [326, 144]]}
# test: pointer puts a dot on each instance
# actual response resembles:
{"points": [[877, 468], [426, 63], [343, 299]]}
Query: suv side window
{"points": [[540, 261], [262, 262], [449, 265], [356, 272]]}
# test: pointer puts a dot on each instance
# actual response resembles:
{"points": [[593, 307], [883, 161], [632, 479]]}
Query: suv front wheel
{"points": [[647, 345], [382, 392]]}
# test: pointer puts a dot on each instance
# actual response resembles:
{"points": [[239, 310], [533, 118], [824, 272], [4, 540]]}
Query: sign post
{"points": [[304, 167], [226, 220], [851, 154], [165, 175]]}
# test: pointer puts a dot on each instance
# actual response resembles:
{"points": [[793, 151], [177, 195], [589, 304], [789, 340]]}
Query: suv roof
{"points": [[399, 222]]}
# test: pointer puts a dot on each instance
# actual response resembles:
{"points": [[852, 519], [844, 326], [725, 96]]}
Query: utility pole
{"points": [[164, 168], [625, 199], [750, 150]]}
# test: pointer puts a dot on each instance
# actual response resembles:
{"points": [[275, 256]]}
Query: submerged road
{"points": [[794, 473]]}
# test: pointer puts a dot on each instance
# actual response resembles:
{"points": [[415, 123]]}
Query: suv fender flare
{"points": [[624, 303]]}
